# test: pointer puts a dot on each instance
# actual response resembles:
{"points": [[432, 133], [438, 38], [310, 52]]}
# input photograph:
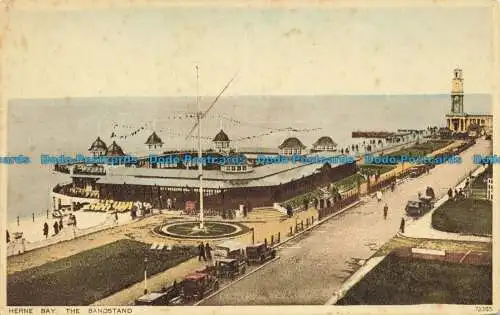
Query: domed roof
{"points": [[292, 143], [154, 139], [98, 144], [325, 141], [115, 150], [221, 136]]}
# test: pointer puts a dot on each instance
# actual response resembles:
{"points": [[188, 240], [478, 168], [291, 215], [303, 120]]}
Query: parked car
{"points": [[230, 249], [198, 285], [416, 171], [168, 296], [259, 253], [416, 208], [430, 192], [230, 268], [153, 299]]}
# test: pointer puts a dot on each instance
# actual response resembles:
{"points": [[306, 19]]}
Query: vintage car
{"points": [[198, 285], [168, 296], [259, 253], [418, 170], [153, 299], [416, 208], [230, 249], [430, 192], [230, 268]]}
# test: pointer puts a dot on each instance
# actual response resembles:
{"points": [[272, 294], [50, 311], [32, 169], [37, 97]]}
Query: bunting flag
{"points": [[131, 131], [276, 131]]}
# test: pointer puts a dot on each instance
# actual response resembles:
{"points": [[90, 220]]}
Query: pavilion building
{"points": [[224, 186]]}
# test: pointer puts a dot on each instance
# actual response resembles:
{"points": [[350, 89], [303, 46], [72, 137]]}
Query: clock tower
{"points": [[457, 92]]}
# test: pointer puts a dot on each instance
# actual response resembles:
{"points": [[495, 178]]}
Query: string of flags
{"points": [[274, 131], [139, 130]]}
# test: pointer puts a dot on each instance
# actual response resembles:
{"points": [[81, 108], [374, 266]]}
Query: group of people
{"points": [[204, 252], [58, 225], [145, 207], [459, 194], [171, 203]]}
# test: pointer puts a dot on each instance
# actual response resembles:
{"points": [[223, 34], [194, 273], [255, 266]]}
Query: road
{"points": [[313, 266]]}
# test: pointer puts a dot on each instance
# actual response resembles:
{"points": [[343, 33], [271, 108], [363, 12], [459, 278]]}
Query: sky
{"points": [[308, 50]]}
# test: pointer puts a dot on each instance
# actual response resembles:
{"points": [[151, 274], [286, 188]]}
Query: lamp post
{"points": [[145, 275]]}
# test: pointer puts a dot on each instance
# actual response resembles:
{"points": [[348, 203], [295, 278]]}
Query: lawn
{"points": [[422, 149], [372, 169], [469, 216], [342, 185], [349, 182], [91, 275], [480, 181], [396, 281]]}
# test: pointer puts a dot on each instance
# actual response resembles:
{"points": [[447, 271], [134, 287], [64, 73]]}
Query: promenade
{"points": [[314, 266]]}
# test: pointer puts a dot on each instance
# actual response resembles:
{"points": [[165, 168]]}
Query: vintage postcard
{"points": [[237, 157]]}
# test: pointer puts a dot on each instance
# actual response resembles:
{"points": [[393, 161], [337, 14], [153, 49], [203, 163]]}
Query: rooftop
{"points": [[292, 143], [221, 136], [265, 175], [98, 144], [153, 139]]}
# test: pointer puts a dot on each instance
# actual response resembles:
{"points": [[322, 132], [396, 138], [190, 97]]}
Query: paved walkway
{"points": [[422, 228], [311, 268]]}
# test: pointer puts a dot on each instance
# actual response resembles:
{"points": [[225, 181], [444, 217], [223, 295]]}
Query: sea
{"points": [[70, 125]]}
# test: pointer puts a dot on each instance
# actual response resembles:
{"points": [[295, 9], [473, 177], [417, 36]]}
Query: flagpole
{"points": [[200, 166]]}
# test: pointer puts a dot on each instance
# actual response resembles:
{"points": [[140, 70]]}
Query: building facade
{"points": [[457, 120]]}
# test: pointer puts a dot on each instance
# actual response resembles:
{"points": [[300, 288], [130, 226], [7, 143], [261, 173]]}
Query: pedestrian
{"points": [[386, 208], [450, 193], [56, 228], [244, 213], [74, 220], [379, 195], [169, 204], [8, 236], [46, 230], [402, 225], [393, 186], [116, 217], [175, 287], [419, 195], [208, 252], [60, 224], [201, 252], [456, 194]]}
